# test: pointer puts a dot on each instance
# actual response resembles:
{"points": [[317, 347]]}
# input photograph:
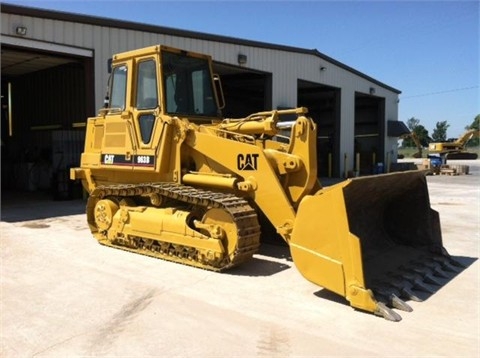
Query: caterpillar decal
{"points": [[135, 160], [247, 161]]}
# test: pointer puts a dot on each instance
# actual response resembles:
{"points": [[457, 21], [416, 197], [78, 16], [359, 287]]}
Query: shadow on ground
{"points": [[423, 291], [265, 262], [27, 206], [258, 267]]}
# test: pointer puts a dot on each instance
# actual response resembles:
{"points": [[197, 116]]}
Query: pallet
{"points": [[448, 171]]}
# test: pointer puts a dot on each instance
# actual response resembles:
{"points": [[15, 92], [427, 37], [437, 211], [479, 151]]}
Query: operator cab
{"points": [[188, 87], [179, 83]]}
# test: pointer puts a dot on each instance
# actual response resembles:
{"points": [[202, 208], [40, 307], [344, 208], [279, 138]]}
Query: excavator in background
{"points": [[416, 140], [168, 176], [455, 149]]}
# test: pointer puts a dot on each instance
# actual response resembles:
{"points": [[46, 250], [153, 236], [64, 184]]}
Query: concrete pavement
{"points": [[63, 294]]}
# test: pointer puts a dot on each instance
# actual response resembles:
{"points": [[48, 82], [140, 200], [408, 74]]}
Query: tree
{"points": [[440, 132], [422, 134], [475, 125], [412, 123]]}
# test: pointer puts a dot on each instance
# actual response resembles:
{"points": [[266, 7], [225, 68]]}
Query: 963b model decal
{"points": [[144, 160]]}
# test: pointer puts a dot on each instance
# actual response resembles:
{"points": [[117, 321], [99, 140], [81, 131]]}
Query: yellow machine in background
{"points": [[169, 177], [416, 140], [456, 149]]}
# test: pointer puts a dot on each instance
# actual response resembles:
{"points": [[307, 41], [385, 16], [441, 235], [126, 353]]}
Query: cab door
{"points": [[119, 142], [146, 112]]}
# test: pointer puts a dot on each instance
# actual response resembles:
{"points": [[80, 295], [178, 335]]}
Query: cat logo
{"points": [[109, 159], [247, 161]]}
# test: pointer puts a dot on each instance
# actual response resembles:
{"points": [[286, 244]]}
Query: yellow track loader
{"points": [[169, 177]]}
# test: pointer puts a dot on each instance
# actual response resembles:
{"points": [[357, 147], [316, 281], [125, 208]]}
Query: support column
{"points": [[347, 131]]}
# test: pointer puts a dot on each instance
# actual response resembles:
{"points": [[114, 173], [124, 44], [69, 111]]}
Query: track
{"points": [[243, 218]]}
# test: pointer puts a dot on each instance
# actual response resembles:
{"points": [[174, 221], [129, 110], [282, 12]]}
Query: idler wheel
{"points": [[222, 226], [104, 211]]}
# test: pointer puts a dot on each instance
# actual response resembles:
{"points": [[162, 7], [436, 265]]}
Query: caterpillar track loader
{"points": [[169, 177]]}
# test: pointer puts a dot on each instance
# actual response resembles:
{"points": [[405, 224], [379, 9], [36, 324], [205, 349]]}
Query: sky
{"points": [[429, 50]]}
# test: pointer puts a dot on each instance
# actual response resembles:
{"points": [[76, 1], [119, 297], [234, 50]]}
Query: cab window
{"points": [[147, 97], [188, 85], [119, 88]]}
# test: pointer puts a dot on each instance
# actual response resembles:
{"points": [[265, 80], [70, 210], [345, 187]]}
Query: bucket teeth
{"points": [[406, 292], [415, 281], [393, 288], [387, 313], [398, 303], [426, 273], [390, 295], [435, 267], [429, 278], [456, 263], [448, 264], [404, 287]]}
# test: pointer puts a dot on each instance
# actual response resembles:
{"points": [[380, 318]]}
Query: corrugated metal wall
{"points": [[286, 66]]}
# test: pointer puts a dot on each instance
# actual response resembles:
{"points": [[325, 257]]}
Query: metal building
{"points": [[54, 75]]}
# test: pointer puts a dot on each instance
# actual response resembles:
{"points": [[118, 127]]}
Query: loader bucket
{"points": [[374, 240]]}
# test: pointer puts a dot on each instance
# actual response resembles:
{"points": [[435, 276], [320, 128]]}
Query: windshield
{"points": [[188, 85]]}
